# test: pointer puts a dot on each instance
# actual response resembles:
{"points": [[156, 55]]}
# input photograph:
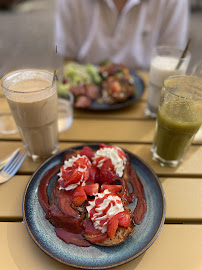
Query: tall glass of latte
{"points": [[32, 97]]}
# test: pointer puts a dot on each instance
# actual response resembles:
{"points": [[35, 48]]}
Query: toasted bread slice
{"points": [[120, 236]]}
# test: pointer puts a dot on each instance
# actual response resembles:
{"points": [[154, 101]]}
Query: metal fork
{"points": [[6, 159], [12, 167]]}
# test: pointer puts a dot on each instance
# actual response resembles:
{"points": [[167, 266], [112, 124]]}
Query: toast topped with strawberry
{"points": [[90, 199]]}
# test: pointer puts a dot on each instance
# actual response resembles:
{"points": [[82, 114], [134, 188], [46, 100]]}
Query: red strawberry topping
{"points": [[91, 189], [79, 196], [76, 171]]}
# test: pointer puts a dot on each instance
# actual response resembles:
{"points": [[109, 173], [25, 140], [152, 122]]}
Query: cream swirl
{"points": [[99, 216], [112, 153]]}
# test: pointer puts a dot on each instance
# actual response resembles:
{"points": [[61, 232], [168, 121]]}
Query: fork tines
{"points": [[12, 167]]}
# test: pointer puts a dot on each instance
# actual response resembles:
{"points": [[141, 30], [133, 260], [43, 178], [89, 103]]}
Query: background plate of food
{"points": [[108, 86], [93, 256]]}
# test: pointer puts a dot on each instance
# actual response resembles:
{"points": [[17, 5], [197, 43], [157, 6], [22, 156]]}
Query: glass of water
{"points": [[65, 112], [197, 69]]}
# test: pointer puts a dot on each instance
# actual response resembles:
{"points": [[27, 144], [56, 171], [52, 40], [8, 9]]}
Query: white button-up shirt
{"points": [[93, 30]]}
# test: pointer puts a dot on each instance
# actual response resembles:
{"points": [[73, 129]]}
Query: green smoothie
{"points": [[173, 136]]}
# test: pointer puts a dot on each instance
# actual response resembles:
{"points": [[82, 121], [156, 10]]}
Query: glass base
{"points": [[36, 158], [163, 162], [149, 113]]}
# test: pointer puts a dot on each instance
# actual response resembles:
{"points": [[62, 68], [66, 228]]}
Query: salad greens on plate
{"points": [[75, 74]]}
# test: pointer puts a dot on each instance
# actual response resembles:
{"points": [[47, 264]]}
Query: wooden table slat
{"points": [[103, 130], [173, 249]]}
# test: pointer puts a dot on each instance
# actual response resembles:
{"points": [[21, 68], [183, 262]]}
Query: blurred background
{"points": [[27, 34]]}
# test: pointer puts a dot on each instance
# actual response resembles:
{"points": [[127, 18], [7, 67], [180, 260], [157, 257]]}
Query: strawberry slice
{"points": [[98, 162], [87, 151], [107, 177], [111, 188], [79, 196], [123, 218], [93, 175], [82, 162], [65, 173], [112, 226], [107, 164], [73, 178], [91, 189]]}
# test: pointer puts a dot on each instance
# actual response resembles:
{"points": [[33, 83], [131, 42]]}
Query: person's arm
{"points": [[175, 20]]}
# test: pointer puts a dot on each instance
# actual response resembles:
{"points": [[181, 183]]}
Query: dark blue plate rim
{"points": [[32, 188]]}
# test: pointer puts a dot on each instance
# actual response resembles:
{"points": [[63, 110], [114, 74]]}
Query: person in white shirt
{"points": [[121, 31]]}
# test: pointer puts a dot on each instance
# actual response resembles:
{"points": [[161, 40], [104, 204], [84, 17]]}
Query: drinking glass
{"points": [[197, 70], [32, 98], [164, 63], [65, 112], [178, 120]]}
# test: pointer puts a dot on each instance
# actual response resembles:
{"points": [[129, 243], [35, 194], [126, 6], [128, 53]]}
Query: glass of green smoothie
{"points": [[178, 120]]}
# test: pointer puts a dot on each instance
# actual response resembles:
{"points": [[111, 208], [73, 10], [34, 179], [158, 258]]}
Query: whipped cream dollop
{"points": [[112, 153], [100, 211], [79, 163]]}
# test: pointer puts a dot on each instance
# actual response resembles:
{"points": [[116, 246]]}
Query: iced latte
{"points": [[32, 97]]}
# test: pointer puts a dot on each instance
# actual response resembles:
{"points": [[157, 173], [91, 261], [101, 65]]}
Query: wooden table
{"points": [[179, 245]]}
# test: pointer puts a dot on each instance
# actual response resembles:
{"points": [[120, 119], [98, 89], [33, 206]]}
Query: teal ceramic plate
{"points": [[95, 257]]}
